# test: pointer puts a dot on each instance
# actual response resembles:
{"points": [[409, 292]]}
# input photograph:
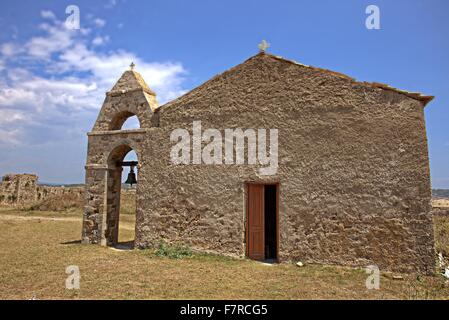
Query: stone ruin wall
{"points": [[22, 189]]}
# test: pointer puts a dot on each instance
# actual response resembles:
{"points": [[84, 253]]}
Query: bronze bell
{"points": [[131, 177]]}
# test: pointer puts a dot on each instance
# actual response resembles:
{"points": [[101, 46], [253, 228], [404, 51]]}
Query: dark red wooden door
{"points": [[255, 219]]}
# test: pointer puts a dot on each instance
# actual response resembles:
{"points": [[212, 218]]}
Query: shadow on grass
{"points": [[126, 245], [72, 242]]}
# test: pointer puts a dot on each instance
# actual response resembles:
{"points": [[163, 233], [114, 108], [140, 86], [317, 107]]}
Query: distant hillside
{"points": [[440, 193], [73, 185], [70, 185]]}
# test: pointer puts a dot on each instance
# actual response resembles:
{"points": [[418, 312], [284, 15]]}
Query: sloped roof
{"points": [[414, 95], [130, 81]]}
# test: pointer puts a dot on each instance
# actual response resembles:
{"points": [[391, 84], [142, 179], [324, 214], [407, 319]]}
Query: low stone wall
{"points": [[22, 189], [440, 212]]}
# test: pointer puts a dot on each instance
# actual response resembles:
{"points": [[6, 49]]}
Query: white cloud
{"points": [[11, 116], [99, 41], [100, 22], [111, 4], [16, 97], [164, 78], [18, 74], [9, 137], [47, 14], [58, 38], [9, 49], [62, 99]]}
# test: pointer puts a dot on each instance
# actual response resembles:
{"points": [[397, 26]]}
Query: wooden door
{"points": [[255, 222]]}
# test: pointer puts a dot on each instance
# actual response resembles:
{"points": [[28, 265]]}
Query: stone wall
{"points": [[353, 169], [440, 212], [22, 190]]}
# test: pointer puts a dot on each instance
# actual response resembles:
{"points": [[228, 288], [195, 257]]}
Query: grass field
{"points": [[37, 246]]}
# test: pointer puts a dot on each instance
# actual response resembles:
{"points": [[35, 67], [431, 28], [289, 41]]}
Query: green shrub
{"points": [[172, 251]]}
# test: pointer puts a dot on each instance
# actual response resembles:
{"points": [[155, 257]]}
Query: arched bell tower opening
{"points": [[121, 190], [126, 116], [131, 123], [128, 203], [124, 120]]}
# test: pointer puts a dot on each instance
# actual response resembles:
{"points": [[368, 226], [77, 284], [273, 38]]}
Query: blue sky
{"points": [[52, 80]]}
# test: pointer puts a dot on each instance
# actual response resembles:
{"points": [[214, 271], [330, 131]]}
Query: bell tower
{"points": [[130, 96], [108, 145]]}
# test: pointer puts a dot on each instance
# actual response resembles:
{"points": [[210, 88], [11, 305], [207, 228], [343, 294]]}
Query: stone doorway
{"points": [[262, 222], [115, 235]]}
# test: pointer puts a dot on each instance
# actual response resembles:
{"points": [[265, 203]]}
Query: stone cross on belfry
{"points": [[263, 46], [132, 65]]}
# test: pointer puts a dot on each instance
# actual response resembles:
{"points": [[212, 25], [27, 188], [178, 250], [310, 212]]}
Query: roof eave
{"points": [[425, 99]]}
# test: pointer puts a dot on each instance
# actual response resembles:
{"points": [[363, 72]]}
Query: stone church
{"points": [[351, 185]]}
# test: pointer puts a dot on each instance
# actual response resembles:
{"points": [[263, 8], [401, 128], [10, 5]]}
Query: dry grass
{"points": [[128, 202], [440, 203], [36, 247]]}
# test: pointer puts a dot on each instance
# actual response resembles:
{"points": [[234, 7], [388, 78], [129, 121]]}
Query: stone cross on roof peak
{"points": [[264, 45], [129, 81]]}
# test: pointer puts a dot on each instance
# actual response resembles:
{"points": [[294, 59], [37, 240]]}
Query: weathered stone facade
{"points": [[22, 189], [354, 186]]}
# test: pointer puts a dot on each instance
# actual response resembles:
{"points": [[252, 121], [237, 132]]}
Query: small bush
{"points": [[173, 251]]}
